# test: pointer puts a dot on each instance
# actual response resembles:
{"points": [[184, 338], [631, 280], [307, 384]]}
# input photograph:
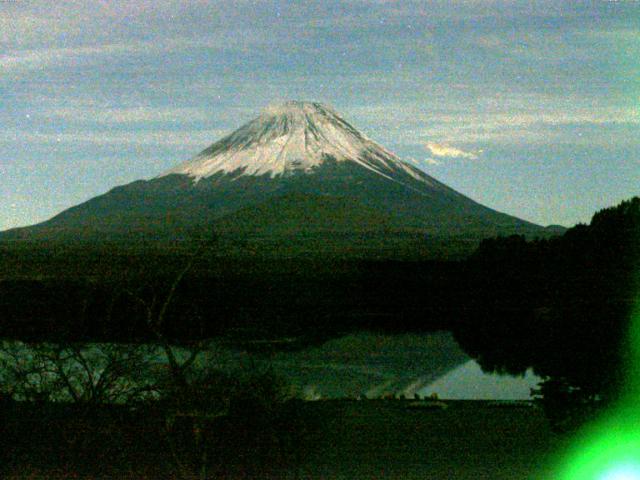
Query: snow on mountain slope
{"points": [[298, 167], [294, 137]]}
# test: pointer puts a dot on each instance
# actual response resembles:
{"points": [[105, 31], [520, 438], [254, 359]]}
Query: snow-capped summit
{"points": [[291, 137], [297, 173]]}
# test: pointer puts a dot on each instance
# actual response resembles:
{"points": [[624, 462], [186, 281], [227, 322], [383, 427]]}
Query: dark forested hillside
{"points": [[103, 295], [562, 306]]}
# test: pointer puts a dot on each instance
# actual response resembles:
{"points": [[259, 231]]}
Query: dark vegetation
{"points": [[300, 440], [253, 439], [100, 295], [561, 306]]}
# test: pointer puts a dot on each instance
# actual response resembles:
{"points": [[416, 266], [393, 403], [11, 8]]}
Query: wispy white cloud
{"points": [[518, 118], [428, 161], [45, 57], [625, 34], [444, 150], [140, 114], [186, 138]]}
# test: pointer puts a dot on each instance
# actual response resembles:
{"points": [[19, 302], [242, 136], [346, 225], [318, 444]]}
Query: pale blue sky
{"points": [[532, 108]]}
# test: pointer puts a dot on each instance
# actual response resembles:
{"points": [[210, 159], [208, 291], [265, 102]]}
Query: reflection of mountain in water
{"points": [[370, 364], [469, 382], [363, 364]]}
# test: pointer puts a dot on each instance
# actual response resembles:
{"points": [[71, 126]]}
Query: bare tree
{"points": [[74, 372]]}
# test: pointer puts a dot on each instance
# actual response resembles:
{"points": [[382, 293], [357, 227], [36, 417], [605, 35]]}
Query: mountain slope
{"points": [[297, 168]]}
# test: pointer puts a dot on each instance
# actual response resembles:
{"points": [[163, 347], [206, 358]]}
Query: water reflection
{"points": [[469, 382], [359, 365]]}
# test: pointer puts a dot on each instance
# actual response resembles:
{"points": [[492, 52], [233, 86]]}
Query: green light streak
{"points": [[610, 448], [623, 472]]}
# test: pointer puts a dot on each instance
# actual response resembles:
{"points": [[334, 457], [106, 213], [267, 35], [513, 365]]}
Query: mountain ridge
{"points": [[287, 138], [296, 150]]}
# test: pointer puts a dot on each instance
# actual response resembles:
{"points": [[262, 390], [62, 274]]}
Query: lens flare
{"points": [[622, 472], [610, 448], [609, 451]]}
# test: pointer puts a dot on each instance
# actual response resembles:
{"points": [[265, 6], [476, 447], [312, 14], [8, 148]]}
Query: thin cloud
{"points": [[128, 114], [190, 138], [546, 122], [447, 151], [45, 57], [424, 161], [41, 58]]}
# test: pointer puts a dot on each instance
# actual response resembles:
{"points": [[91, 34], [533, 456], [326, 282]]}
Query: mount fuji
{"points": [[298, 171]]}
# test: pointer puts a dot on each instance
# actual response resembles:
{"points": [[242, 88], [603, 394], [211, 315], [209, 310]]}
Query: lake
{"points": [[354, 366]]}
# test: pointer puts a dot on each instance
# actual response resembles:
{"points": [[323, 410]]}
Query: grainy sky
{"points": [[530, 107]]}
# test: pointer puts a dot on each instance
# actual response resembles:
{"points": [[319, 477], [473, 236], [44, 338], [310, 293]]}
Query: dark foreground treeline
{"points": [[562, 306], [243, 299], [298, 440], [62, 440]]}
